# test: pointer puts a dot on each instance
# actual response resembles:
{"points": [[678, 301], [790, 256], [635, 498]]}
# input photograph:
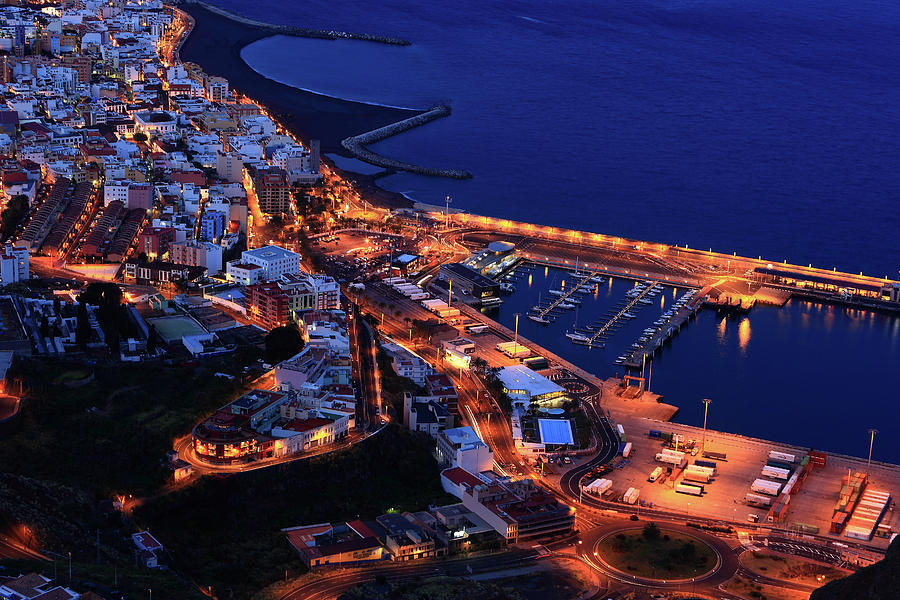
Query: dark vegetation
{"points": [[444, 588], [880, 581], [283, 343], [225, 531]]}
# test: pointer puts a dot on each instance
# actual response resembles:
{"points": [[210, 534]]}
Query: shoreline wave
{"points": [[318, 92]]}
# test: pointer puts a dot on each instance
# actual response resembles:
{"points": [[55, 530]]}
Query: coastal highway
{"points": [[331, 585]]}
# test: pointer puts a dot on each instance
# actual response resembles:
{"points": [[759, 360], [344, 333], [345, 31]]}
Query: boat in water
{"points": [[556, 292], [565, 305], [539, 319], [577, 337]]}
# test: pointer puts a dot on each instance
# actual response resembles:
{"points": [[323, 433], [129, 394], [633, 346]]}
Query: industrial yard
{"points": [[748, 468]]}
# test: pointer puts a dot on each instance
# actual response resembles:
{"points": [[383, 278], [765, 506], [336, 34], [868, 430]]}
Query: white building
{"points": [[274, 261], [155, 123], [237, 271], [407, 364], [461, 447], [116, 190], [13, 265]]}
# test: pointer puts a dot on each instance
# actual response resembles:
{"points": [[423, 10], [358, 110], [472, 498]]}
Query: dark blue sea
{"points": [[763, 127], [766, 128]]}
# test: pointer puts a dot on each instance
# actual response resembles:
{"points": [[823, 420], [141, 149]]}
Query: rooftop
{"points": [[522, 379]]}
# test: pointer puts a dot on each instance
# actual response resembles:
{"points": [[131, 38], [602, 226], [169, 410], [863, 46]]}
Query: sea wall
{"points": [[324, 34], [357, 145]]}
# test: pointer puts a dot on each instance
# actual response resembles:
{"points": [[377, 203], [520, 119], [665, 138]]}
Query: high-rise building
{"points": [[273, 190]]}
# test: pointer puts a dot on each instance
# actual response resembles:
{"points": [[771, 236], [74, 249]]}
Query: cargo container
{"points": [[666, 436], [780, 464], [706, 463], [696, 476], [714, 455], [631, 496], [671, 460], [621, 431], [758, 500], [675, 453], [775, 473], [701, 469], [654, 474], [655, 434], [626, 450], [805, 528], [783, 456], [420, 296], [764, 486], [838, 521], [689, 488]]}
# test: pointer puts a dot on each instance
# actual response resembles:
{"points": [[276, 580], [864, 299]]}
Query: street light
{"points": [[516, 339], [706, 402], [872, 433]]}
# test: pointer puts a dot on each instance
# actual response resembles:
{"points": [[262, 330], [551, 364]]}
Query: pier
{"points": [[666, 331], [322, 34], [615, 318], [541, 316], [357, 145]]}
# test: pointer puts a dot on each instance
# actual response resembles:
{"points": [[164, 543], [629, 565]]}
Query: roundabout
{"points": [[669, 556], [597, 549]]}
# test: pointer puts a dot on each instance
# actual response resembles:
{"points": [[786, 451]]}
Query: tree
{"points": [[283, 343], [57, 305], [152, 339], [12, 215], [82, 325], [478, 364], [45, 326], [651, 532], [140, 136]]}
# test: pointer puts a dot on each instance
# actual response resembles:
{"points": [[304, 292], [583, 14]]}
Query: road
{"points": [[334, 583]]}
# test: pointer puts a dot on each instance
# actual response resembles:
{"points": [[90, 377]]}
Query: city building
{"points": [[212, 225], [523, 384], [197, 254], [406, 540], [426, 415], [324, 544], [461, 447], [267, 304], [155, 123], [466, 279], [272, 189], [406, 363], [520, 511], [274, 261], [13, 264], [244, 273]]}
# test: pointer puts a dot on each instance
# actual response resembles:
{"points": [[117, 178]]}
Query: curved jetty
{"points": [[357, 145], [324, 34]]}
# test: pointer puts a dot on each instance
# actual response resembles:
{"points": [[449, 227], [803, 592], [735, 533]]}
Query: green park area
{"points": [[657, 553]]}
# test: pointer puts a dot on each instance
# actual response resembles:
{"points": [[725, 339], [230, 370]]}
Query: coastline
{"points": [[300, 31], [215, 43]]}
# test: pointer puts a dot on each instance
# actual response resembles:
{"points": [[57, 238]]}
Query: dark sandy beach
{"points": [[215, 44]]}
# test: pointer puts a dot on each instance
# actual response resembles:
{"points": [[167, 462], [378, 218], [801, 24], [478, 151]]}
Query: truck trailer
{"points": [[689, 488], [764, 486]]}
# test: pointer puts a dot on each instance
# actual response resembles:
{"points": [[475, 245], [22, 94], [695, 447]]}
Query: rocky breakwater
{"points": [[324, 34], [357, 145]]}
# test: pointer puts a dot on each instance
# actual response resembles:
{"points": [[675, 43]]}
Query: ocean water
{"points": [[766, 128], [812, 375]]}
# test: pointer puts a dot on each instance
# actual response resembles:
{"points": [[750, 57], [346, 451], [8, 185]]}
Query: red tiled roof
{"points": [[361, 529], [459, 476]]}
